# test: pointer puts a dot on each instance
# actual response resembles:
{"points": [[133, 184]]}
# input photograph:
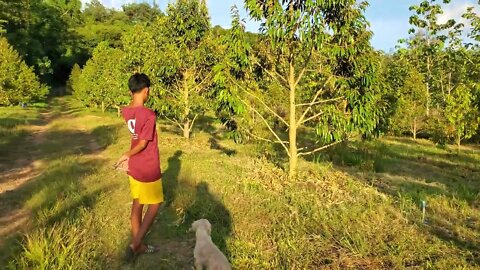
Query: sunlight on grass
{"points": [[13, 130], [356, 206], [61, 246]]}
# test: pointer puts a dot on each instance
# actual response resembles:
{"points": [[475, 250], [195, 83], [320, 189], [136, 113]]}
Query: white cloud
{"points": [[455, 10]]}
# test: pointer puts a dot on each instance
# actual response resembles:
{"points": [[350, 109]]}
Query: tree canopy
{"points": [[310, 78]]}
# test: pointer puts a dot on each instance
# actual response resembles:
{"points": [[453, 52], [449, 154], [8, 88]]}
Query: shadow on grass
{"points": [[13, 139], [202, 124], [54, 190], [205, 124], [7, 141], [71, 142], [170, 177], [419, 170], [417, 166], [22, 151], [9, 123], [55, 186], [106, 135], [186, 201], [21, 147], [56, 195], [197, 202], [207, 205], [216, 146]]}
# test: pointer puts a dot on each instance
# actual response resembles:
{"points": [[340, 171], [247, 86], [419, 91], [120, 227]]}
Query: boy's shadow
{"points": [[170, 177], [206, 205], [202, 205]]}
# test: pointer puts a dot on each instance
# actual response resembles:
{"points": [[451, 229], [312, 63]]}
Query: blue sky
{"points": [[388, 18]]}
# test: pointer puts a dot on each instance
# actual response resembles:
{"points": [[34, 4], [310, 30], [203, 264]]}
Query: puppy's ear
{"points": [[209, 228], [194, 227]]}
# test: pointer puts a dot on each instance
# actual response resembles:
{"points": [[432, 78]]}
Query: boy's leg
{"points": [[145, 225], [136, 218]]}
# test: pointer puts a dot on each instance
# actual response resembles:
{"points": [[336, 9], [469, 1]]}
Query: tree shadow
{"points": [[7, 141], [21, 147], [216, 146], [56, 195], [55, 186], [106, 135], [202, 124], [395, 147], [273, 152], [51, 145], [205, 124], [63, 143], [45, 175], [170, 177], [167, 127], [11, 122], [457, 175], [13, 137], [419, 171], [439, 227]]}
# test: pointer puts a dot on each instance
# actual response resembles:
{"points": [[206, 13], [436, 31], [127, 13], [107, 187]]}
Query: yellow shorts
{"points": [[146, 193]]}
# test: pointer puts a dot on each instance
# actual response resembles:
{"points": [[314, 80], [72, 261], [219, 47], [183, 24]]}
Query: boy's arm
{"points": [[142, 144], [146, 135]]}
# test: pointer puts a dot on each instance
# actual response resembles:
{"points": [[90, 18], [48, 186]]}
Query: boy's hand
{"points": [[122, 163], [121, 160]]}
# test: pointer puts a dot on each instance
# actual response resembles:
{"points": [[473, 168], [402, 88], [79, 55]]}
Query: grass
{"points": [[356, 206], [413, 171], [14, 123]]}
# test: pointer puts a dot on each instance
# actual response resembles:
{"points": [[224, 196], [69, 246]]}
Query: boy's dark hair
{"points": [[137, 82]]}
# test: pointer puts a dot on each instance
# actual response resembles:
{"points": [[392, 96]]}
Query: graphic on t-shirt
{"points": [[131, 127]]}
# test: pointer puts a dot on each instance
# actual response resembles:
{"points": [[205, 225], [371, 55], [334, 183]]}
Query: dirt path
{"points": [[31, 162], [27, 166]]}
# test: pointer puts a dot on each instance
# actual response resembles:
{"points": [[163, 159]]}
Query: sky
{"points": [[388, 18]]}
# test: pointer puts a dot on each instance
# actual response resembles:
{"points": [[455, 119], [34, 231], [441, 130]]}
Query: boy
{"points": [[142, 164]]}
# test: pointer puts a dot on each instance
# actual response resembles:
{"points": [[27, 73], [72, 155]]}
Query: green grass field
{"points": [[356, 206]]}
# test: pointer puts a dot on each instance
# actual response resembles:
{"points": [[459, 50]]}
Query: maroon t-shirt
{"points": [[144, 166]]}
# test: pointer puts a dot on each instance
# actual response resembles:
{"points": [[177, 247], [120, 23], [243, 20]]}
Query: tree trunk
{"points": [[103, 107], [458, 141], [186, 129], [118, 111], [442, 87], [292, 131], [449, 83], [427, 113], [414, 128], [186, 103], [428, 87]]}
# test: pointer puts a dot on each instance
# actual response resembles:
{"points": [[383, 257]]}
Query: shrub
{"points": [[18, 82]]}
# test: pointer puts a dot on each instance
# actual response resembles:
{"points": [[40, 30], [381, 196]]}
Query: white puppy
{"points": [[206, 254]]}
